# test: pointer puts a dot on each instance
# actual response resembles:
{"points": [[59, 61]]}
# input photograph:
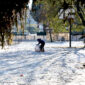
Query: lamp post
{"points": [[70, 18], [68, 15]]}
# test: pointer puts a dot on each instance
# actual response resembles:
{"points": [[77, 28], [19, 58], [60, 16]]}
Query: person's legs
{"points": [[42, 47]]}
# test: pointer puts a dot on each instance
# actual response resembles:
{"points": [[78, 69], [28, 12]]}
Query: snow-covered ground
{"points": [[58, 65]]}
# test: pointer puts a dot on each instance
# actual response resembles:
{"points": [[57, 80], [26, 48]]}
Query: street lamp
{"points": [[68, 15], [70, 20]]}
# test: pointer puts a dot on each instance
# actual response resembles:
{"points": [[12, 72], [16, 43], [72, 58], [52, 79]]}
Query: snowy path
{"points": [[20, 65]]}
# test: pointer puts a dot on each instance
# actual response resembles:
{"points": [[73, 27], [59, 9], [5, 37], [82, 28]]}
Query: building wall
{"points": [[55, 37], [60, 36]]}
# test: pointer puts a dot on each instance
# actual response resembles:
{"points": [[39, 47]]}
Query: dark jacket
{"points": [[41, 42]]}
